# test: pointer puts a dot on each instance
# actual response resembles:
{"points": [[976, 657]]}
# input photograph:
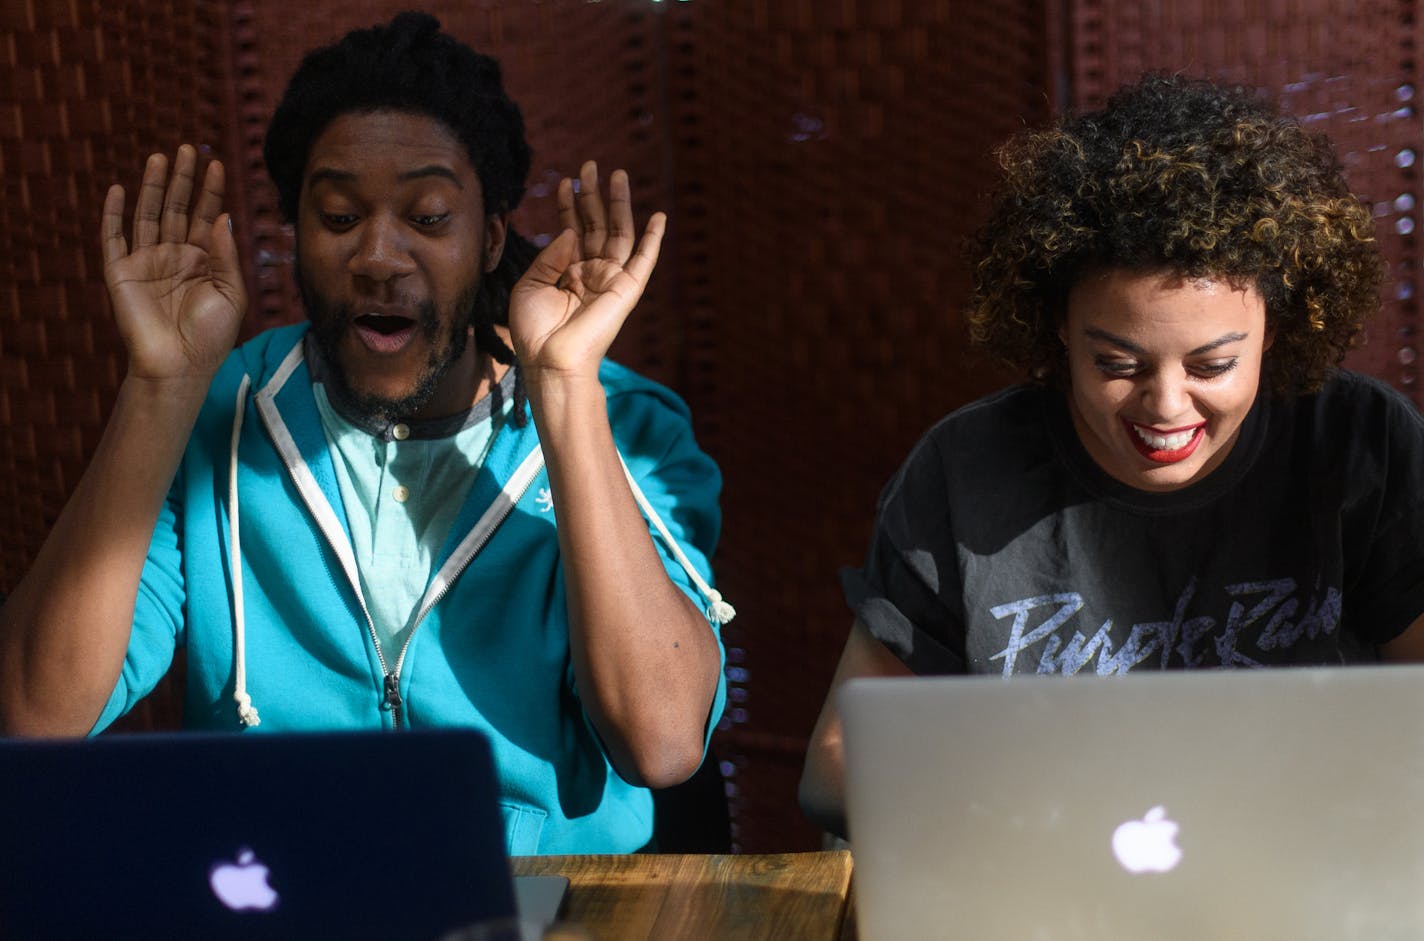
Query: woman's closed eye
{"points": [[1117, 368], [1213, 368], [1127, 368]]}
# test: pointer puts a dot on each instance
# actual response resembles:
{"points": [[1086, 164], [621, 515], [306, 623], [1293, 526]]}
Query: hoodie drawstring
{"points": [[718, 611], [246, 712]]}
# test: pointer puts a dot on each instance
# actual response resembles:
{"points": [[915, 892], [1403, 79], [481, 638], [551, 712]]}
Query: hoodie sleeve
{"points": [[681, 484]]}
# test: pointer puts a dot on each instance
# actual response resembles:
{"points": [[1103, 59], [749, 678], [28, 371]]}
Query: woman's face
{"points": [[1162, 371]]}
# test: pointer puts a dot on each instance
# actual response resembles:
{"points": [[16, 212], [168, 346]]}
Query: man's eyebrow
{"points": [[331, 174], [325, 174], [433, 169], [1131, 347]]}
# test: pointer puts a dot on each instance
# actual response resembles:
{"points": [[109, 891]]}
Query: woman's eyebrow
{"points": [[1107, 337], [1098, 334], [1219, 341]]}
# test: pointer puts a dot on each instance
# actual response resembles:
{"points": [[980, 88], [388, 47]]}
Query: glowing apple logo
{"points": [[1149, 844], [242, 885]]}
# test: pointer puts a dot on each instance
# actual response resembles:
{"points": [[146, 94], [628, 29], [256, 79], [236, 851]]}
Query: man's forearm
{"points": [[64, 631], [645, 658]]}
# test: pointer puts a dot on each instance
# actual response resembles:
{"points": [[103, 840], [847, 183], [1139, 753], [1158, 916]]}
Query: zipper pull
{"points": [[393, 700]]}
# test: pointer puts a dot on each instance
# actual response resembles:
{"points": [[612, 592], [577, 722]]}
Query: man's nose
{"points": [[382, 252]]}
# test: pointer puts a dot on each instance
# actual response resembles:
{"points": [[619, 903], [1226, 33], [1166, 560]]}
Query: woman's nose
{"points": [[1165, 395]]}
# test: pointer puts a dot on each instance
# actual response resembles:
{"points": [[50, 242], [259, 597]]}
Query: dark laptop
{"points": [[332, 835]]}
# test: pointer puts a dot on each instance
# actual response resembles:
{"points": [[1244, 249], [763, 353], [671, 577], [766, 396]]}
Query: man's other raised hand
{"points": [[177, 291]]}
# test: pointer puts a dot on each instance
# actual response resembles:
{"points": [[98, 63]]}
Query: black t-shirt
{"points": [[1001, 547]]}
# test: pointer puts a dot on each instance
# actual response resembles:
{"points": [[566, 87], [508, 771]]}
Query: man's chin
{"points": [[384, 389], [388, 405]]}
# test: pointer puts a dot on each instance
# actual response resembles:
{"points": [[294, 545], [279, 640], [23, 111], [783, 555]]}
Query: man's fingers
{"points": [[173, 226], [568, 214], [111, 226], [223, 262], [209, 205], [641, 265], [551, 263], [591, 225], [621, 233], [149, 204]]}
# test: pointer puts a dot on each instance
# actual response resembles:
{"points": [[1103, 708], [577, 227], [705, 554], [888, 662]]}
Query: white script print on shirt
{"points": [[1273, 618], [545, 499]]}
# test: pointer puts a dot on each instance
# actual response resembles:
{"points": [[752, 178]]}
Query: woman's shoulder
{"points": [[1017, 409], [987, 442], [1354, 404]]}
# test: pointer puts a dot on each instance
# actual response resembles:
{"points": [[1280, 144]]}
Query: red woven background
{"points": [[821, 161]]}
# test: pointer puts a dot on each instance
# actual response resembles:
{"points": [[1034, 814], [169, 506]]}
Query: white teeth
{"points": [[1172, 442]]}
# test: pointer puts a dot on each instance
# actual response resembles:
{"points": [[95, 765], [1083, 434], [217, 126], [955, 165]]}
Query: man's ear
{"points": [[496, 227]]}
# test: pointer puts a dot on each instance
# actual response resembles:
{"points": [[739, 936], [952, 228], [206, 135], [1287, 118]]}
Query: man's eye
{"points": [[338, 220], [430, 220]]}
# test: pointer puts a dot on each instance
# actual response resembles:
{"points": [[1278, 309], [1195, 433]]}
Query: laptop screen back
{"points": [[1268, 804], [348, 835]]}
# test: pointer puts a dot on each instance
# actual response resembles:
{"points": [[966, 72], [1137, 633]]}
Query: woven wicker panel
{"points": [[1347, 67], [831, 157], [89, 90]]}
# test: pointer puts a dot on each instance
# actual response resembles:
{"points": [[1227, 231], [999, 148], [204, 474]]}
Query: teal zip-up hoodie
{"points": [[491, 650]]}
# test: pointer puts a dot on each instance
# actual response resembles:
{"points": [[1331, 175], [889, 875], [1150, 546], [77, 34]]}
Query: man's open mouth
{"points": [[385, 333], [384, 323]]}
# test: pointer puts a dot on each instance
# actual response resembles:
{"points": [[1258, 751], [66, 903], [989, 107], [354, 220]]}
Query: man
{"points": [[354, 523]]}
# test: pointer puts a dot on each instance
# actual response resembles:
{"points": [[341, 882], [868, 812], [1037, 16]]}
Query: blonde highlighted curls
{"points": [[1185, 176]]}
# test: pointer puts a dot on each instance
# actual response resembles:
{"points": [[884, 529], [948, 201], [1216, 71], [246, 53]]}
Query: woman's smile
{"points": [[1163, 369]]}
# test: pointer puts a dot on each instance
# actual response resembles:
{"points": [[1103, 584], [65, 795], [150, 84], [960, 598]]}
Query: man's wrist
{"points": [[181, 394], [567, 410], [563, 390]]}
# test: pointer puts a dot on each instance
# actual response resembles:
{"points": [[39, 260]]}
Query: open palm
{"points": [[571, 303], [178, 295]]}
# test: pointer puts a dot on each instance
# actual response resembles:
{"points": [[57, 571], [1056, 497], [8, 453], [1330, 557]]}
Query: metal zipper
{"points": [[391, 698], [392, 683], [390, 679]]}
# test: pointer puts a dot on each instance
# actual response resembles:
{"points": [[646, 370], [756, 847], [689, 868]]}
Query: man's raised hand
{"points": [[178, 292], [569, 306]]}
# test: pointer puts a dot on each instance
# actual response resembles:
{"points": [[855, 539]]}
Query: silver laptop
{"points": [[1278, 804], [342, 835]]}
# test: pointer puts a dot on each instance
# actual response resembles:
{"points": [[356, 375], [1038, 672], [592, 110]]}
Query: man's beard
{"points": [[331, 322]]}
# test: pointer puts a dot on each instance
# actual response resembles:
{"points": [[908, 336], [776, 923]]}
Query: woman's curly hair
{"points": [[1184, 176]]}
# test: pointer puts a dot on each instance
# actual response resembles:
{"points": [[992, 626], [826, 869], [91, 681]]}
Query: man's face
{"points": [[1163, 371], [392, 240]]}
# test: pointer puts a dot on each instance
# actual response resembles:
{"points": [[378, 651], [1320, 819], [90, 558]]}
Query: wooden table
{"points": [[631, 898]]}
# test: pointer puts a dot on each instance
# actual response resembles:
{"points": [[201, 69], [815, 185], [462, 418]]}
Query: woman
{"points": [[1189, 481]]}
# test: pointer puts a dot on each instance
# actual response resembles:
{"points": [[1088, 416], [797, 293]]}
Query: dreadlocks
{"points": [[409, 65]]}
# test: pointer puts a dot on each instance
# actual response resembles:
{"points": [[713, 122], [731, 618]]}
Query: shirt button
{"points": [[400, 432], [401, 493]]}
